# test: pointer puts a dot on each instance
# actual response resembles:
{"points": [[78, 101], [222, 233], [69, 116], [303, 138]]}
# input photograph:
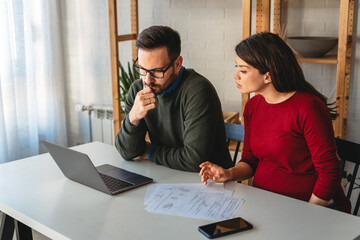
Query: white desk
{"points": [[35, 192]]}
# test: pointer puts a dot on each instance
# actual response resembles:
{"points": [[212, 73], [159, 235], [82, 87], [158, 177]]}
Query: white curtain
{"points": [[32, 99]]}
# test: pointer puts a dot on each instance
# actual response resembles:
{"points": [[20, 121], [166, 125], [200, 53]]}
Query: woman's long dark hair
{"points": [[267, 52]]}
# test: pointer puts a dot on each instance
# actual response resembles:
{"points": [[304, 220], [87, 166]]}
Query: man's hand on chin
{"points": [[144, 156]]}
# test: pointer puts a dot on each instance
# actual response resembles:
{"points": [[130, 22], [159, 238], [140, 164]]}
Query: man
{"points": [[178, 107]]}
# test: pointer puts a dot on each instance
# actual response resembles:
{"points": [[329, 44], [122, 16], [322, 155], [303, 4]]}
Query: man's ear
{"points": [[178, 64], [267, 78]]}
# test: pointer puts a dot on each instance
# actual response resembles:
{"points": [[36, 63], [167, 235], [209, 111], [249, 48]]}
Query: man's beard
{"points": [[157, 88]]}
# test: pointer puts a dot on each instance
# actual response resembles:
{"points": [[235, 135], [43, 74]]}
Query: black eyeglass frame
{"points": [[151, 71]]}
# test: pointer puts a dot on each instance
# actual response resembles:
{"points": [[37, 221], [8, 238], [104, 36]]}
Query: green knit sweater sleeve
{"points": [[130, 140], [202, 111]]}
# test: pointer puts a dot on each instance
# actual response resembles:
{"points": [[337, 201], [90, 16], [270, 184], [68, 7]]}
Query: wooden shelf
{"points": [[330, 59], [342, 60]]}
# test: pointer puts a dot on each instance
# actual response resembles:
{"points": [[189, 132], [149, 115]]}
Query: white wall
{"points": [[209, 32], [87, 62], [209, 29], [321, 18]]}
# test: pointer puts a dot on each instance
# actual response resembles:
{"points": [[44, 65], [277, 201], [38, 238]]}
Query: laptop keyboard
{"points": [[114, 184]]}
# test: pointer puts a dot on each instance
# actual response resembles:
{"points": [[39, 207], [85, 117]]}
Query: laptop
{"points": [[106, 178]]}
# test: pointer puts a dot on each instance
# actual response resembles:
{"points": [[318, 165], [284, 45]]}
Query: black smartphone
{"points": [[218, 229]]}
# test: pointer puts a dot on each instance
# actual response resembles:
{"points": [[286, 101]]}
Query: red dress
{"points": [[291, 148]]}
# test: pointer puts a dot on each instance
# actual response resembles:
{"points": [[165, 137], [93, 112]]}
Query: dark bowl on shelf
{"points": [[312, 46]]}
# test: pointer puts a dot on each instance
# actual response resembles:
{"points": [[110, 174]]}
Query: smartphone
{"points": [[218, 229]]}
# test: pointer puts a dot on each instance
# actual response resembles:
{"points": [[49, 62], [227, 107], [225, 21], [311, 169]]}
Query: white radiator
{"points": [[102, 124]]}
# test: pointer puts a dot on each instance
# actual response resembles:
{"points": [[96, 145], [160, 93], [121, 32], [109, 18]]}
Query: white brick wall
{"points": [[210, 29], [208, 37], [321, 18]]}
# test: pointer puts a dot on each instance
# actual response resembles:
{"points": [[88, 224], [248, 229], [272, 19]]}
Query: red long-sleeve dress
{"points": [[291, 148]]}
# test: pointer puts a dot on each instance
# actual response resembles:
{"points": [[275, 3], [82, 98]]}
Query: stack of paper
{"points": [[211, 202]]}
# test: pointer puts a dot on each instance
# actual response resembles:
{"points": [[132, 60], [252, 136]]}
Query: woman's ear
{"points": [[267, 78]]}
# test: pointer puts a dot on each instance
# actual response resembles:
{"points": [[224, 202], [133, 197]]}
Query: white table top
{"points": [[35, 192]]}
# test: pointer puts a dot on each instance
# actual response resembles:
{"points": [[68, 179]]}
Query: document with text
{"points": [[210, 202]]}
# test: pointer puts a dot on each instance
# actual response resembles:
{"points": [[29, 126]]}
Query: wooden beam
{"points": [[114, 54], [277, 29], [246, 32], [348, 65], [262, 16], [343, 67], [246, 17], [134, 14], [262, 25], [126, 37]]}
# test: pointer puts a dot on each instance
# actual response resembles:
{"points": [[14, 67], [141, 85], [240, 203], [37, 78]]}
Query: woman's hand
{"points": [[213, 172]]}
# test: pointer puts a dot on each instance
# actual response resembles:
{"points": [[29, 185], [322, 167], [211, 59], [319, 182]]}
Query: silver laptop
{"points": [[105, 178]]}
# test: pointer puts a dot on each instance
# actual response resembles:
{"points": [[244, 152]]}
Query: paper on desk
{"points": [[197, 187], [193, 201]]}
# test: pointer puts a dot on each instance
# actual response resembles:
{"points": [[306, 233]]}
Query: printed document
{"points": [[211, 202]]}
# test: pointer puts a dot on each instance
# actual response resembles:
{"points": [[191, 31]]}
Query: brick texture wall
{"points": [[209, 29]]}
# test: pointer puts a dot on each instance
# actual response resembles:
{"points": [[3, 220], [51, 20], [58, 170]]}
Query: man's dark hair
{"points": [[160, 36]]}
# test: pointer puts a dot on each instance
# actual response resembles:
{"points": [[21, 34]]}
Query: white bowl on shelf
{"points": [[312, 46]]}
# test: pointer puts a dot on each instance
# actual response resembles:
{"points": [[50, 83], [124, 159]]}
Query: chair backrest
{"points": [[350, 152], [234, 132]]}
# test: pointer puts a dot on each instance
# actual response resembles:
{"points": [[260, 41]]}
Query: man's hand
{"points": [[144, 101], [144, 156]]}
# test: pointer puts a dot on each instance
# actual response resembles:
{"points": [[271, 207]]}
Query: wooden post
{"points": [[134, 26], [262, 16], [114, 54], [262, 25], [246, 13], [246, 32], [114, 40], [343, 66], [277, 18]]}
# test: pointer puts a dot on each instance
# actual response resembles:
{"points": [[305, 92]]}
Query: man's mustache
{"points": [[151, 85]]}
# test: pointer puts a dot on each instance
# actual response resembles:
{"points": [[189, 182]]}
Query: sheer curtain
{"points": [[32, 96]]}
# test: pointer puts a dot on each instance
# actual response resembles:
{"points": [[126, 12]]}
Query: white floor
{"points": [[36, 235]]}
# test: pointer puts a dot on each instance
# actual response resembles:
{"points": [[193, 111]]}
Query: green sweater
{"points": [[186, 128]]}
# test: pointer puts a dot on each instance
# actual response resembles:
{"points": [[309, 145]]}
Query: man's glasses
{"points": [[153, 72]]}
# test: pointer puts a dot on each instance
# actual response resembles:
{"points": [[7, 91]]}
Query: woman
{"points": [[289, 145]]}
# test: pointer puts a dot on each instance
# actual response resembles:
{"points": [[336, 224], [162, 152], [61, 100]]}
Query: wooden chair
{"points": [[234, 132], [349, 152]]}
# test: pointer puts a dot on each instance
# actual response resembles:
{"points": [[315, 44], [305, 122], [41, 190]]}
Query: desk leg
{"points": [[7, 228], [8, 225], [23, 232]]}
